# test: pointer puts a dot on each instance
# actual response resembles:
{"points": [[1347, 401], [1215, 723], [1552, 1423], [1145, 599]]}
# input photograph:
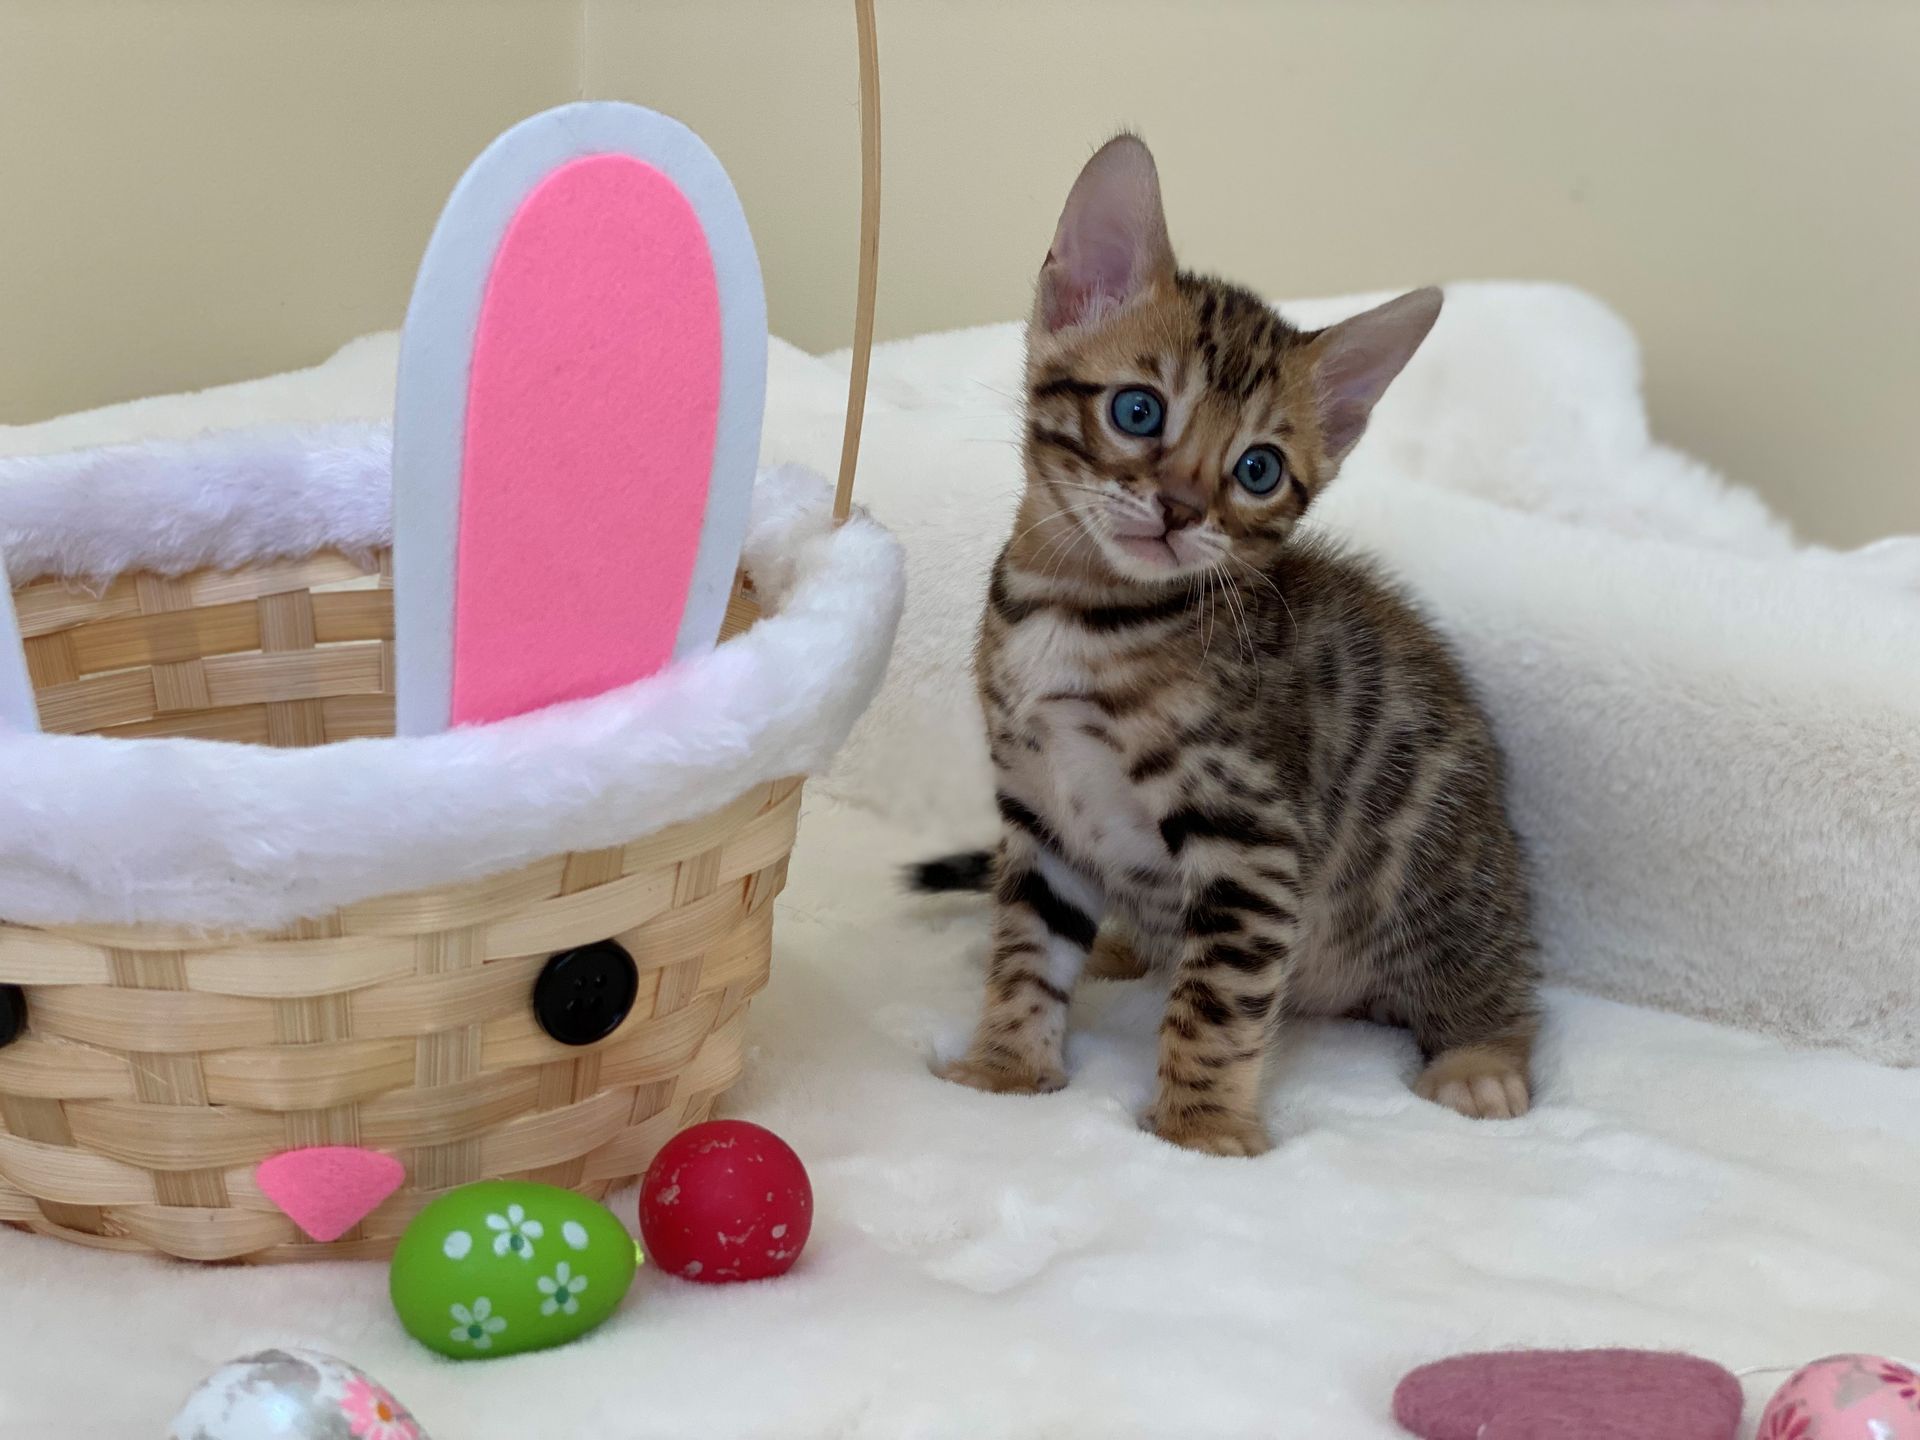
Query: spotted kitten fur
{"points": [[1237, 750]]}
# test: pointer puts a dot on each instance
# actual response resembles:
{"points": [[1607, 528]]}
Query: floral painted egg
{"points": [[292, 1395], [506, 1266], [1845, 1397], [726, 1200]]}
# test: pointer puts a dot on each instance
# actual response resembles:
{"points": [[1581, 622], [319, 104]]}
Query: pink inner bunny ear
{"points": [[592, 405], [1111, 245]]}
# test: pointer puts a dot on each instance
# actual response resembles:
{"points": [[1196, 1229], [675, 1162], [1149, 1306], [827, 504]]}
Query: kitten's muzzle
{"points": [[1156, 546], [1177, 511]]}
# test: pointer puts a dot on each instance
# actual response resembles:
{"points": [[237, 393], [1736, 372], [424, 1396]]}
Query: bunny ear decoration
{"points": [[577, 418], [18, 710]]}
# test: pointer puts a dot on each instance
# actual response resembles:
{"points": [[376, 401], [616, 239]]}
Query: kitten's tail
{"points": [[970, 870]]}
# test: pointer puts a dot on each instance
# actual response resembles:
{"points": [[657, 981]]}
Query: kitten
{"points": [[1238, 748]]}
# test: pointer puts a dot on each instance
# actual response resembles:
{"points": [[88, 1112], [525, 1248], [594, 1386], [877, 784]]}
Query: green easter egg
{"points": [[507, 1266]]}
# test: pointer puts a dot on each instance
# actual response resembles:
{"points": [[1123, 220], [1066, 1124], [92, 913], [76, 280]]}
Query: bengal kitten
{"points": [[1238, 748]]}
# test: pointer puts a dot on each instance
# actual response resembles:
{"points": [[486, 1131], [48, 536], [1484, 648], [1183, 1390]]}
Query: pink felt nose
{"points": [[328, 1189]]}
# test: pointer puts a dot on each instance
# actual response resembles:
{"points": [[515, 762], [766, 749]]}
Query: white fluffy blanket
{"points": [[984, 1267]]}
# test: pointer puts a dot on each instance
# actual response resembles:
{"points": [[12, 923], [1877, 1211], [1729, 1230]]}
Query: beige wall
{"points": [[194, 191], [1737, 176]]}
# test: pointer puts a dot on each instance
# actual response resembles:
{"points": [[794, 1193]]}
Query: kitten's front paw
{"points": [[1210, 1131], [1004, 1075], [1481, 1083]]}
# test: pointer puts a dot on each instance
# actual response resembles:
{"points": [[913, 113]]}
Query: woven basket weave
{"points": [[161, 1067]]}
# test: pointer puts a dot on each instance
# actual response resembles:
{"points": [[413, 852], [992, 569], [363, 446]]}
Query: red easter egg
{"points": [[723, 1201]]}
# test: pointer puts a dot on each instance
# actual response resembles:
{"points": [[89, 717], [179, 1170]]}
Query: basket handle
{"points": [[869, 255]]}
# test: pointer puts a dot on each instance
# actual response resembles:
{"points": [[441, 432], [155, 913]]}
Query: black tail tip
{"points": [[971, 870]]}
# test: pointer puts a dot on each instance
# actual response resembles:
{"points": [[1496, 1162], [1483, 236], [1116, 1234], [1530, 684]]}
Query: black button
{"points": [[13, 1013], [582, 995]]}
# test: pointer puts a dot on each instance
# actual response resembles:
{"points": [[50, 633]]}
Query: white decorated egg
{"points": [[292, 1395]]}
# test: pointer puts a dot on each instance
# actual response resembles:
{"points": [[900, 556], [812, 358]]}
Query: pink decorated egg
{"points": [[1845, 1397], [726, 1200]]}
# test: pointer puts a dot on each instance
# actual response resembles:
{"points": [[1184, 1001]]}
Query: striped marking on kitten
{"points": [[1240, 746]]}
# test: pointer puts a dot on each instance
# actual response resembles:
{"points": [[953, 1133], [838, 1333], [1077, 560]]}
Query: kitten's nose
{"points": [[1178, 512]]}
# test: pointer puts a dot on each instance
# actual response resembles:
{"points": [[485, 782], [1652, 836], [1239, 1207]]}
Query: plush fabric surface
{"points": [[236, 836], [984, 1267], [222, 499], [989, 1268]]}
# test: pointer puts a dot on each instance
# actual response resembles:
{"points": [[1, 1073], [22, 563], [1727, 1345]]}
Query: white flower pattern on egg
{"points": [[457, 1245], [476, 1325], [515, 1233], [562, 1290], [575, 1234]]}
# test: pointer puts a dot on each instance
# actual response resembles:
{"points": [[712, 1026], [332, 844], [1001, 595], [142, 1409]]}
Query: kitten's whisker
{"points": [[1046, 519], [1240, 609], [1060, 545], [1053, 544], [1066, 551], [1267, 580], [1016, 397], [1102, 495], [1065, 512], [1215, 570], [1104, 491], [1247, 626], [1206, 595]]}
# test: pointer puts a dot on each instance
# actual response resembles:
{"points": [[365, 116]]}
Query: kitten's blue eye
{"points": [[1138, 412], [1259, 470]]}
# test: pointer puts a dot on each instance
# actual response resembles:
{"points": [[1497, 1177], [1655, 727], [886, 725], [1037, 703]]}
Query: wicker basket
{"points": [[161, 1067]]}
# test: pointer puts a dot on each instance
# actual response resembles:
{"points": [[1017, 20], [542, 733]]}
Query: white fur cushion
{"points": [[196, 833]]}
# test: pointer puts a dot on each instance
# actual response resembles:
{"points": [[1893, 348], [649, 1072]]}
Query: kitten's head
{"points": [[1174, 421]]}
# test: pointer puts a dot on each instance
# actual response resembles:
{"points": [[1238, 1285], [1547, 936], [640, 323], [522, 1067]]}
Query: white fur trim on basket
{"points": [[220, 836]]}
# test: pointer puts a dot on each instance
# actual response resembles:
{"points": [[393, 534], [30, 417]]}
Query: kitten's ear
{"points": [[1111, 246], [1356, 360]]}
